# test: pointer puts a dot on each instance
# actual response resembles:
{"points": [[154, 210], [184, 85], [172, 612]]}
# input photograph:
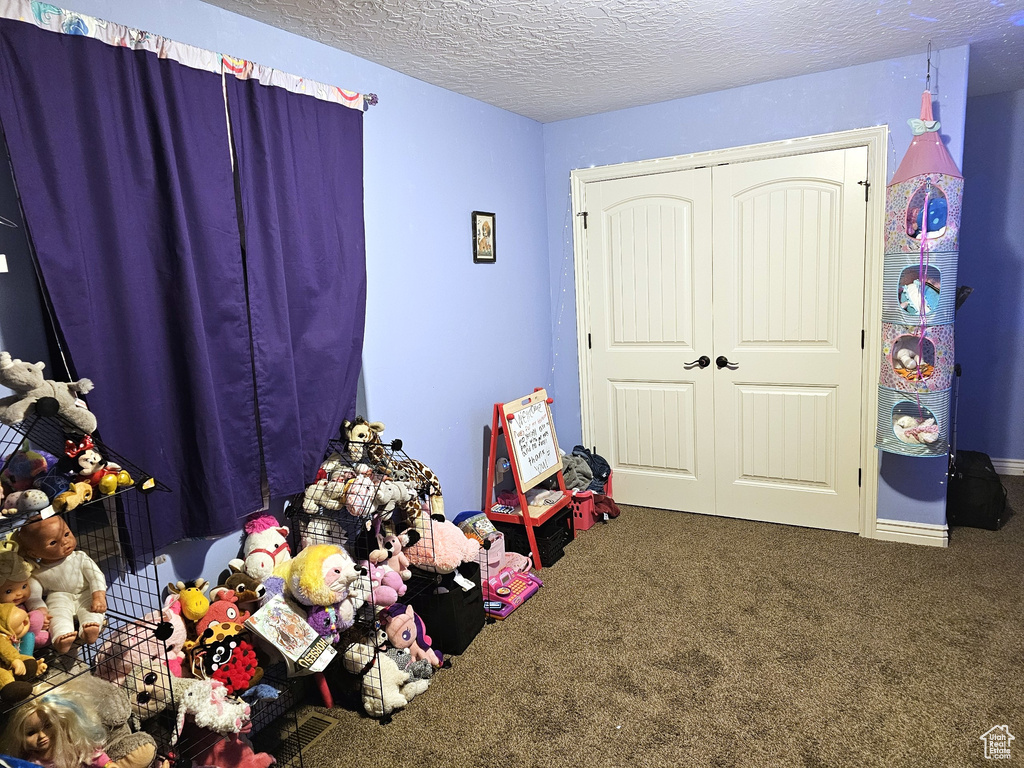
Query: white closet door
{"points": [[789, 242], [649, 276]]}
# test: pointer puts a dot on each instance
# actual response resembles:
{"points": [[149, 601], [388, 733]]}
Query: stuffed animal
{"points": [[319, 577], [320, 529], [149, 690], [22, 467], [16, 669], [246, 589], [14, 588], [913, 430], [377, 456], [442, 546], [127, 749], [397, 560], [230, 660], [208, 704], [359, 495], [65, 581], [192, 596], [405, 631], [159, 638], [265, 547], [391, 494], [384, 686], [27, 382], [420, 669], [93, 468], [358, 434], [323, 494], [77, 495]]}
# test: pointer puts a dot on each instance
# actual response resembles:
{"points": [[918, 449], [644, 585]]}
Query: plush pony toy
{"points": [[405, 631], [27, 382], [265, 547], [320, 578], [442, 546]]}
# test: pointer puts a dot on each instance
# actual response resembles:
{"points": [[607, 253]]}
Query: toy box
{"points": [[452, 617]]}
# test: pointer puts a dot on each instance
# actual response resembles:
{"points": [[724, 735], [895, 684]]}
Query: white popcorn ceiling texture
{"points": [[557, 59]]}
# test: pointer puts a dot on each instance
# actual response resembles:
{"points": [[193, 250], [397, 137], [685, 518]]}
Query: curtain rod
{"points": [[53, 19]]}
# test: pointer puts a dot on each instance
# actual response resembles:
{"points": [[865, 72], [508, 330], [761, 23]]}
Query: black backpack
{"points": [[976, 497]]}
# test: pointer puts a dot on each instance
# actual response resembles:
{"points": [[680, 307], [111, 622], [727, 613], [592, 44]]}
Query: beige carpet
{"points": [[667, 639]]}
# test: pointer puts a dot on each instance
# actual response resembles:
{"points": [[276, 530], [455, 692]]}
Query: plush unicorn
{"points": [[265, 547]]}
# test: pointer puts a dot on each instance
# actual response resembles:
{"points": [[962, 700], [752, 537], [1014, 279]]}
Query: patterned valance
{"points": [[54, 19]]}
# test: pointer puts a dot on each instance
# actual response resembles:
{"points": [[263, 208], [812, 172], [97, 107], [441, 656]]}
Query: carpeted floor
{"points": [[667, 639]]}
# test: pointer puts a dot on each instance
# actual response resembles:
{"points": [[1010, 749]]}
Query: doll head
{"points": [[59, 729], [13, 621], [14, 573], [48, 541]]}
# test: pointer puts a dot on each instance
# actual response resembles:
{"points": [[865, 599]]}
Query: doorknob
{"points": [[701, 362], [723, 362]]}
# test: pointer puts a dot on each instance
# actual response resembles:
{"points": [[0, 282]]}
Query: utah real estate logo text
{"points": [[997, 742]]}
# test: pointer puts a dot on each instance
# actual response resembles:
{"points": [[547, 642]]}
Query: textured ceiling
{"points": [[557, 59]]}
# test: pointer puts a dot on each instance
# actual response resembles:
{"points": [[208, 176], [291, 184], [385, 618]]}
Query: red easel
{"points": [[542, 427]]}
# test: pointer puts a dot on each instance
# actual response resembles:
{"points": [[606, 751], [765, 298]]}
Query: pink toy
{"points": [[359, 496], [224, 614], [397, 560], [158, 639], [405, 631], [234, 751], [265, 547], [387, 585], [442, 546]]}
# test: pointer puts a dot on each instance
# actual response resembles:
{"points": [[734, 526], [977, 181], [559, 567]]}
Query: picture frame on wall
{"points": [[484, 239]]}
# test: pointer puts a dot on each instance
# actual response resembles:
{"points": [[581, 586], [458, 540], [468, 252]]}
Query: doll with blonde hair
{"points": [[56, 731]]}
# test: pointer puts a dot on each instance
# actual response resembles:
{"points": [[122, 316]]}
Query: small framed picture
{"points": [[483, 237]]}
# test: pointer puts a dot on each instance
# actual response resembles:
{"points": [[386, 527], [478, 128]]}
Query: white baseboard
{"points": [[926, 534], [1009, 466]]}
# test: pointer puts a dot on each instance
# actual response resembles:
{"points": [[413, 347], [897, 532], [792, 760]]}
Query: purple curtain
{"points": [[300, 168], [122, 163]]}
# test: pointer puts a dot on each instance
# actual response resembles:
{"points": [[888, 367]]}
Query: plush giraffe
{"points": [[365, 445]]}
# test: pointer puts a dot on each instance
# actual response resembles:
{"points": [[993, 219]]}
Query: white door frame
{"points": [[875, 139]]}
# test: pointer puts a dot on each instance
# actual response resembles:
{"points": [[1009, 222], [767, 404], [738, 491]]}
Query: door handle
{"points": [[723, 362], [701, 362]]}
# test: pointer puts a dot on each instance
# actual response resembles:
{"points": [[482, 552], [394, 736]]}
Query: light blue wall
{"points": [[990, 326], [856, 97]]}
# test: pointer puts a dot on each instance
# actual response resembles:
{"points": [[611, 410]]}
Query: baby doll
{"points": [[56, 731], [72, 584], [16, 669], [14, 576]]}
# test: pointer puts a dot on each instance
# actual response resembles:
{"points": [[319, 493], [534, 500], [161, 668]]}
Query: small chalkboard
{"points": [[532, 435]]}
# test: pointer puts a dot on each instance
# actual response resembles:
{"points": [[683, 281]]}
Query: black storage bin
{"points": [[552, 537], [976, 497], [452, 618]]}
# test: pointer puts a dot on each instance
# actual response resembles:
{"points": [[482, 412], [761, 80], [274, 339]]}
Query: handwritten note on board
{"points": [[533, 442]]}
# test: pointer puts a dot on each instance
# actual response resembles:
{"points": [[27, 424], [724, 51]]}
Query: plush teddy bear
{"points": [[16, 669], [127, 749], [66, 581], [320, 577], [26, 380]]}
